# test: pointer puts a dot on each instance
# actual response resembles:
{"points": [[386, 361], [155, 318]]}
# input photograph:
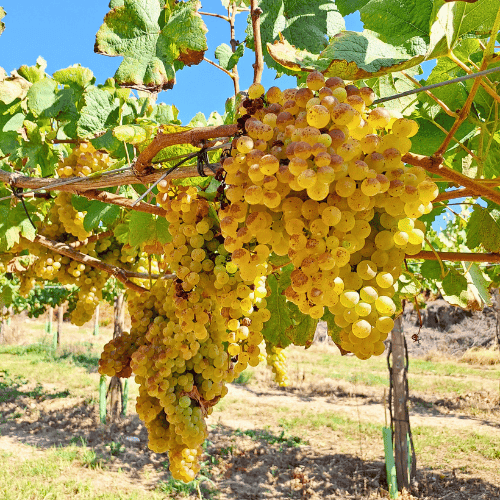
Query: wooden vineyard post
{"points": [[115, 385], [58, 332], [399, 405]]}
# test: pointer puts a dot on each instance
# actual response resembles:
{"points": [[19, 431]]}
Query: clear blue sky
{"points": [[63, 33]]}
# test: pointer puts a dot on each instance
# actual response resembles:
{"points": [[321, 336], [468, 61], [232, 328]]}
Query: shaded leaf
{"points": [[478, 284], [454, 283], [333, 329], [347, 7], [483, 228], [153, 36], [431, 270]]}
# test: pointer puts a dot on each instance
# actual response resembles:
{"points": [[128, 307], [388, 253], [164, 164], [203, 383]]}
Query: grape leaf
{"points": [[287, 324], [12, 87], [147, 228], [477, 283], [350, 55], [99, 212], [99, 112], [451, 21], [75, 76], [2, 15], [227, 59], [347, 7], [333, 329], [33, 73], [398, 22], [154, 37], [454, 283], [483, 228], [306, 24], [431, 270], [166, 114], [133, 134]]}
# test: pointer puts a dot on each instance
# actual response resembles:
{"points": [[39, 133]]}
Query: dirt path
{"points": [[257, 400]]}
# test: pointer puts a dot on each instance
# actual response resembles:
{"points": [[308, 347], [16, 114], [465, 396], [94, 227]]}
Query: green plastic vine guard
{"points": [[125, 398], [390, 464], [54, 339], [96, 329], [102, 399]]}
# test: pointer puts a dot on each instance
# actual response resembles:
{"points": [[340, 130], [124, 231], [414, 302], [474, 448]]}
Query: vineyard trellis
{"points": [[63, 130]]}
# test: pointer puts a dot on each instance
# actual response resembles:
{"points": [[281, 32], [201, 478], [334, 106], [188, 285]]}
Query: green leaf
{"points": [[133, 134], [396, 83], [99, 112], [166, 114], [483, 228], [153, 36], [477, 283], [306, 24], [398, 22], [452, 20], [347, 7], [198, 120], [350, 55], [147, 228], [99, 212], [287, 324], [431, 270], [75, 76], [225, 56], [223, 53], [42, 96], [2, 15], [454, 283], [333, 329], [27, 229], [34, 73], [274, 330]]}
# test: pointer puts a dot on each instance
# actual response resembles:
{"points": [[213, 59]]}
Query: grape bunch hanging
{"points": [[317, 178]]}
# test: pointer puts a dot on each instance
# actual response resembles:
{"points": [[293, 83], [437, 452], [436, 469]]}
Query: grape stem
{"points": [[455, 256], [64, 249], [258, 66], [444, 107], [434, 165], [477, 82]]}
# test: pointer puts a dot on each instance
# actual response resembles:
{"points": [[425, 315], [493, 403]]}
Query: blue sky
{"points": [[63, 33]]}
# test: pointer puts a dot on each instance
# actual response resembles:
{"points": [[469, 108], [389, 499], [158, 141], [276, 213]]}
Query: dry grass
{"points": [[481, 356]]}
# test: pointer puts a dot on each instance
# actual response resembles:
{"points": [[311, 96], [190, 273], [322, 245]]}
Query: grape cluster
{"points": [[189, 336], [319, 177], [276, 360], [83, 161]]}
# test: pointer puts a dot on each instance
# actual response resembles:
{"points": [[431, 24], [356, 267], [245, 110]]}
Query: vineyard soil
{"points": [[319, 438]]}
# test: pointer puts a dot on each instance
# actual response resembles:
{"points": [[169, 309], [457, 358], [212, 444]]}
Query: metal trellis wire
{"points": [[439, 84]]}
